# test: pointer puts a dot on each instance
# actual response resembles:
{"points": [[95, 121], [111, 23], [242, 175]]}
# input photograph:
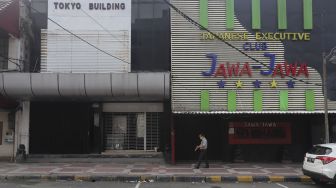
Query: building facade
{"points": [[248, 75], [101, 80], [148, 75], [15, 56]]}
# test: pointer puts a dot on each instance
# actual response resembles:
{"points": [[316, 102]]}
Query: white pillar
{"points": [[14, 46], [22, 125]]}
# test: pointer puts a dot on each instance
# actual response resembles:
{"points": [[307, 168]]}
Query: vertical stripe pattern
{"points": [[203, 13], [189, 60], [229, 14], [310, 100], [282, 14], [257, 100], [205, 100], [307, 14], [232, 103], [284, 100], [256, 19]]}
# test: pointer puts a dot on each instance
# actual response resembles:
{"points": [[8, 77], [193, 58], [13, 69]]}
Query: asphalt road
{"points": [[74, 184]]}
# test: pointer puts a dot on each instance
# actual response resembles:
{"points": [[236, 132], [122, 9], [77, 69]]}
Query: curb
{"points": [[199, 179]]}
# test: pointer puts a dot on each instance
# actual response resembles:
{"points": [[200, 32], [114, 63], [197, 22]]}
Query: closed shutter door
{"points": [[131, 131]]}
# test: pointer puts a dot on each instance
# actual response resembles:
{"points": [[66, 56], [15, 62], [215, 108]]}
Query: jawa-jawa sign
{"points": [[238, 69]]}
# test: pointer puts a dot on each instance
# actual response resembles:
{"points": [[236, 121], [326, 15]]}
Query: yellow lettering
{"points": [[307, 36], [277, 36], [227, 36], [241, 36], [301, 36], [234, 36], [287, 36], [245, 36], [294, 36], [258, 36], [212, 37], [270, 36], [207, 36], [221, 35], [204, 36]]}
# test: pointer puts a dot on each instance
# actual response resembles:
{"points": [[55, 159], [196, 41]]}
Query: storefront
{"points": [[249, 77], [95, 85]]}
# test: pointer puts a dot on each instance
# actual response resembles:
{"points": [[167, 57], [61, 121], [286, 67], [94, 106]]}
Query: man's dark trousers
{"points": [[202, 156]]}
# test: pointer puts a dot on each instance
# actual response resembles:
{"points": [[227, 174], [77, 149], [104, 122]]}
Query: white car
{"points": [[320, 163]]}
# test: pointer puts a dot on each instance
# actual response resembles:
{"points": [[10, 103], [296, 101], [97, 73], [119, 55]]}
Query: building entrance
{"points": [[131, 131]]}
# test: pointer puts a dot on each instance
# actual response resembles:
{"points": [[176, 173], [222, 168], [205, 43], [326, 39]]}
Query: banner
{"points": [[260, 133]]}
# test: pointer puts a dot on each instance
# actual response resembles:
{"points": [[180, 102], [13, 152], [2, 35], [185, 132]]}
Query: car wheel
{"points": [[319, 181]]}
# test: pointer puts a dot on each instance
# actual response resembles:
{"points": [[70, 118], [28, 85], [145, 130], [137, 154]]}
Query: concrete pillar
{"points": [[22, 125], [14, 46]]}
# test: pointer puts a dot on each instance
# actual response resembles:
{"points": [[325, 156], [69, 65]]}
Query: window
{"points": [[319, 150], [3, 52], [150, 36]]}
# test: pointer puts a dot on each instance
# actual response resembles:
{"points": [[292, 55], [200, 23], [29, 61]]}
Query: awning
{"points": [[9, 16], [154, 86]]}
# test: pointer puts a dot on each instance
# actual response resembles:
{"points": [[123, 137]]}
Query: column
{"points": [[22, 125]]}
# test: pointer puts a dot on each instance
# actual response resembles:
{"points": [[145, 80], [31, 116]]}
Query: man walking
{"points": [[203, 151]]}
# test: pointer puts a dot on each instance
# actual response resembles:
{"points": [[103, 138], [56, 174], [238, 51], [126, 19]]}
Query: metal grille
{"points": [[129, 131], [152, 130]]}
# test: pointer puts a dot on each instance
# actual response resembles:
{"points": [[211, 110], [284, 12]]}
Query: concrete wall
{"points": [[6, 149], [22, 126], [14, 46], [19, 49]]}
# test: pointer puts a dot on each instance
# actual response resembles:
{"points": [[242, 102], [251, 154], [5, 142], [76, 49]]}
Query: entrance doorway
{"points": [[131, 131]]}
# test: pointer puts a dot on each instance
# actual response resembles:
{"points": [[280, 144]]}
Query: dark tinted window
{"points": [[319, 150], [150, 36], [3, 50]]}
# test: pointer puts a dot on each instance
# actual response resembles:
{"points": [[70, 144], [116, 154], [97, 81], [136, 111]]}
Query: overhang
{"points": [[153, 86], [9, 14]]}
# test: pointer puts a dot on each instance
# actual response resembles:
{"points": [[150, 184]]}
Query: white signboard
{"points": [[83, 14], [102, 39]]}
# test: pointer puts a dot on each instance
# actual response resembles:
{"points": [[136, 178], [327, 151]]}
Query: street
{"points": [[75, 184]]}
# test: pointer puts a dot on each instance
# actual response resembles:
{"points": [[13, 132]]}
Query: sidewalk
{"points": [[156, 170]]}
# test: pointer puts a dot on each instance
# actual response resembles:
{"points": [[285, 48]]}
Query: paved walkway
{"points": [[138, 169], [149, 169]]}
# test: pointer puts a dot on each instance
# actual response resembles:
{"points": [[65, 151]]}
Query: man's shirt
{"points": [[204, 143]]}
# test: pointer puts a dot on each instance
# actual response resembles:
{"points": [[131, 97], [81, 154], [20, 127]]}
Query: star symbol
{"points": [[290, 84], [221, 84], [256, 84], [274, 84], [239, 84]]}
